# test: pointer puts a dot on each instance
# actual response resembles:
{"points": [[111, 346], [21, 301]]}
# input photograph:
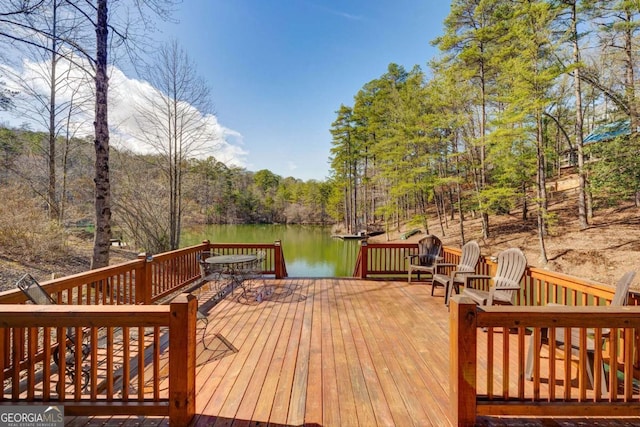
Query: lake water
{"points": [[309, 251]]}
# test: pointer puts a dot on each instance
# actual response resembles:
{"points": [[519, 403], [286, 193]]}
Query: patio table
{"points": [[237, 266]]}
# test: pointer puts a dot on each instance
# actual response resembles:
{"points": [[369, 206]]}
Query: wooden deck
{"points": [[327, 352]]}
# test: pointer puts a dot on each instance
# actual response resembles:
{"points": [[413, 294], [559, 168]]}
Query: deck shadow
{"points": [[217, 348]]}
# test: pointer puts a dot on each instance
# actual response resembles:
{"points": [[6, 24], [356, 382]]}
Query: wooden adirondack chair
{"points": [[463, 273], [619, 299], [427, 258], [506, 282]]}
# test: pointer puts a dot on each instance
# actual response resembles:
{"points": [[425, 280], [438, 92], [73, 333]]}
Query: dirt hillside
{"points": [[601, 253], [76, 259]]}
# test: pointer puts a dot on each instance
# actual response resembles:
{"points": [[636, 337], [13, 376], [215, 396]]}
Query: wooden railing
{"points": [[274, 262], [390, 260], [383, 259], [166, 273], [113, 365], [503, 384], [110, 285], [28, 342], [148, 279], [489, 381], [126, 345], [540, 286], [143, 281]]}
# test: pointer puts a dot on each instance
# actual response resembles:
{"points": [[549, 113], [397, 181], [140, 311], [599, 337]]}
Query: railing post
{"points": [[462, 360], [143, 284], [182, 359], [364, 250], [277, 259]]}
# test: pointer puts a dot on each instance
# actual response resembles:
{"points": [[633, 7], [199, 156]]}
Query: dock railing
{"points": [[88, 302], [584, 307], [148, 279], [539, 286], [121, 372], [109, 308], [490, 381]]}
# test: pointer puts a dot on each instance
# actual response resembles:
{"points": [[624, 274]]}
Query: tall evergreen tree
{"points": [[529, 73], [471, 34], [344, 163]]}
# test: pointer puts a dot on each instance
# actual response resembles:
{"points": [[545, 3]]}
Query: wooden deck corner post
{"points": [[462, 360], [277, 259], [143, 279], [182, 359], [364, 261]]}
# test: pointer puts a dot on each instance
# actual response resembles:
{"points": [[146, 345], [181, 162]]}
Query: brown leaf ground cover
{"points": [[601, 253], [76, 259]]}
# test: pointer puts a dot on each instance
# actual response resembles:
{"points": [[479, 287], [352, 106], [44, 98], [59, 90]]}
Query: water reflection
{"points": [[309, 251]]}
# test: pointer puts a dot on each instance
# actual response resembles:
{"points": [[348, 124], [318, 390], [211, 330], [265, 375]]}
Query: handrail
{"points": [[86, 287], [169, 272], [539, 286], [383, 259], [121, 340], [274, 262], [148, 279], [500, 388]]}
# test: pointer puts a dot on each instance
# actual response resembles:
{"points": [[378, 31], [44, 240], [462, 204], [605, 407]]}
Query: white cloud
{"points": [[337, 12], [125, 94], [291, 166]]}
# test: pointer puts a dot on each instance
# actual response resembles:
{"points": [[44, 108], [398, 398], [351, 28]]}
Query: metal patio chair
{"points": [[249, 275]]}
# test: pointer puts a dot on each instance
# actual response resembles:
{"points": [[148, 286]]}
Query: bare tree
{"points": [[18, 23], [53, 98], [141, 201], [176, 122]]}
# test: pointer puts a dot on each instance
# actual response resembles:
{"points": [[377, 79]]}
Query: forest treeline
{"points": [[508, 102], [212, 193]]}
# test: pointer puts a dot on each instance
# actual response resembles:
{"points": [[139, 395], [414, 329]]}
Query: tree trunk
{"points": [[102, 235], [451, 202], [459, 191], [630, 92], [54, 208], [437, 204], [485, 225], [347, 215], [589, 203], [444, 210], [355, 197], [582, 183], [483, 127], [525, 204], [542, 192]]}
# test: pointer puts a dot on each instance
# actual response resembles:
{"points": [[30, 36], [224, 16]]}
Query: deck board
{"points": [[333, 352], [296, 413], [375, 392], [357, 383]]}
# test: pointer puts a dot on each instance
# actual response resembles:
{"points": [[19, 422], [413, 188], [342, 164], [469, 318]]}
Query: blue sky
{"points": [[279, 69]]}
